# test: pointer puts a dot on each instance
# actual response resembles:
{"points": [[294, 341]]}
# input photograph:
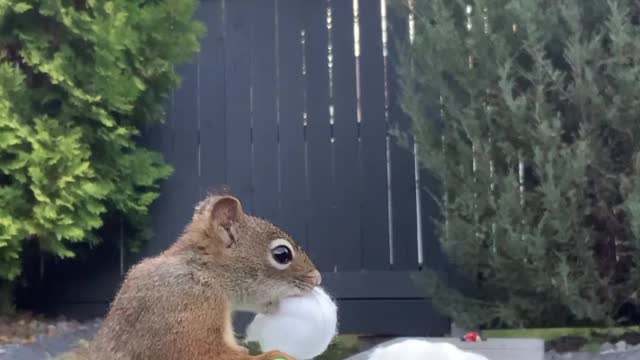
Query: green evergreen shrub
{"points": [[527, 112], [79, 80]]}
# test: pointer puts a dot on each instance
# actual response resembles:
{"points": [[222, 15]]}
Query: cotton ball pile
{"points": [[303, 326], [413, 349]]}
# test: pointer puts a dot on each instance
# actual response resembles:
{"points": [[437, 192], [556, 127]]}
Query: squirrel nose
{"points": [[315, 278]]}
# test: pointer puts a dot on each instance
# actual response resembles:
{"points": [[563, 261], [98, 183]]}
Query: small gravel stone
{"points": [[607, 348], [621, 346], [552, 355]]}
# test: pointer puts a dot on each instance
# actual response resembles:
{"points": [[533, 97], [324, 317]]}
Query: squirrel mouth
{"points": [[314, 278], [308, 282], [304, 286]]}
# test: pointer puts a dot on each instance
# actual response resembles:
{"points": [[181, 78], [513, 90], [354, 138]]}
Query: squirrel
{"points": [[178, 305]]}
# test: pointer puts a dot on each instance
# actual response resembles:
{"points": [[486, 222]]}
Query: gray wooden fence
{"points": [[292, 110]]}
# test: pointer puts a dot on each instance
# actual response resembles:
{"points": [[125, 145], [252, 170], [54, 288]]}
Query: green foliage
{"points": [[341, 347], [527, 114], [79, 81]]}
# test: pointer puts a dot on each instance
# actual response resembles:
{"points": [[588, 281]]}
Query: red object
{"points": [[472, 336]]}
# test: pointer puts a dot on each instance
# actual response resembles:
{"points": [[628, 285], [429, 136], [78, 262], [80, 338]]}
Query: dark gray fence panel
{"points": [[373, 132], [211, 106], [238, 99], [390, 317], [347, 181], [403, 186], [321, 230], [238, 120], [264, 96], [291, 89]]}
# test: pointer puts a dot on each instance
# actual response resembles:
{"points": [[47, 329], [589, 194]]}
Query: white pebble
{"points": [[607, 348], [413, 349]]}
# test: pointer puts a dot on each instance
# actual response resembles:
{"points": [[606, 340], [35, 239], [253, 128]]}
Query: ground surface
{"points": [[29, 338], [26, 337]]}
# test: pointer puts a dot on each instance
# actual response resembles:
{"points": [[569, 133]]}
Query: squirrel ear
{"points": [[226, 212]]}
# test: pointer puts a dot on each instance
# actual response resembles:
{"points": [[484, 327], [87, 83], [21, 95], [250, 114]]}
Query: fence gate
{"points": [[289, 103]]}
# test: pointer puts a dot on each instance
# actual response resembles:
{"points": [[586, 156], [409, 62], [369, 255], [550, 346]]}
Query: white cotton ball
{"points": [[303, 326], [413, 349]]}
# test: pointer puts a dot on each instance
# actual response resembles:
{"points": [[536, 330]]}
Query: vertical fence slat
{"points": [[181, 152], [265, 130], [373, 134], [432, 253], [293, 206], [318, 134], [186, 132], [212, 98], [159, 138], [346, 216], [185, 148], [402, 160], [238, 104]]}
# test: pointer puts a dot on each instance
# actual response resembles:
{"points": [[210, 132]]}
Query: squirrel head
{"points": [[257, 260]]}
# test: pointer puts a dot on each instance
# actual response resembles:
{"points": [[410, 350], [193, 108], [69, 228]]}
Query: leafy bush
{"points": [[79, 80], [527, 113]]}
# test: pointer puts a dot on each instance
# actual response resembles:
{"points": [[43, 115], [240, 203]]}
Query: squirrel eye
{"points": [[281, 254]]}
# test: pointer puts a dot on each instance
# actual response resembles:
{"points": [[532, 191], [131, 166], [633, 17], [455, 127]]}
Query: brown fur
{"points": [[178, 305]]}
